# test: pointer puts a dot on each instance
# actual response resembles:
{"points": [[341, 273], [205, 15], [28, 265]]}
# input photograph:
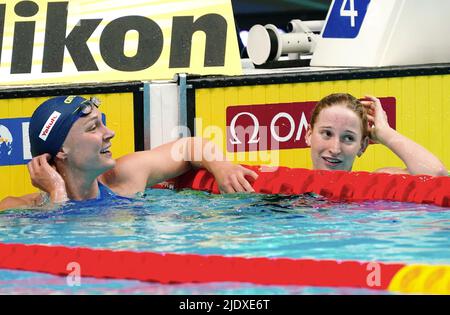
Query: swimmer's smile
{"points": [[329, 161], [106, 150]]}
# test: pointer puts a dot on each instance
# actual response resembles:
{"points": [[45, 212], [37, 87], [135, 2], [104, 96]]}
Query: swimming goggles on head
{"points": [[87, 106]]}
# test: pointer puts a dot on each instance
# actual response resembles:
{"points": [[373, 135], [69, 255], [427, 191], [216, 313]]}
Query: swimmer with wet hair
{"points": [[341, 127], [72, 158]]}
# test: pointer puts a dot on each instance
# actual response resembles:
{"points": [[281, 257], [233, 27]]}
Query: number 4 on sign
{"points": [[352, 13]]}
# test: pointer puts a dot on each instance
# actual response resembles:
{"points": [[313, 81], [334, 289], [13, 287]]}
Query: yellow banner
{"points": [[45, 41]]}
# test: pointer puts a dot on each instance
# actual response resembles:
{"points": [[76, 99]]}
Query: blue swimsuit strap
{"points": [[105, 192]]}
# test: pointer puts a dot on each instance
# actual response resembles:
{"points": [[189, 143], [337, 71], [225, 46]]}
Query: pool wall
{"points": [[416, 99], [145, 114]]}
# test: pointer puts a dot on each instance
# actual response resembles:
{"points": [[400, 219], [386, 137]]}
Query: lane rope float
{"points": [[192, 268], [335, 185]]}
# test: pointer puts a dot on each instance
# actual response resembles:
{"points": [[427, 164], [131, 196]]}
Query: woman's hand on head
{"points": [[45, 177], [377, 119], [232, 178]]}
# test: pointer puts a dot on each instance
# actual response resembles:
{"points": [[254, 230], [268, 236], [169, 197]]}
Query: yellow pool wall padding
{"points": [[422, 111]]}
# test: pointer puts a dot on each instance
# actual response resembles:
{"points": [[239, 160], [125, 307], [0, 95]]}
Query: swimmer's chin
{"points": [[331, 168]]}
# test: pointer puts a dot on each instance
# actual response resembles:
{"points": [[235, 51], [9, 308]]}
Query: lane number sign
{"points": [[345, 19]]}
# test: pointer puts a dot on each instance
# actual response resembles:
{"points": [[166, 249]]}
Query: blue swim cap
{"points": [[51, 122]]}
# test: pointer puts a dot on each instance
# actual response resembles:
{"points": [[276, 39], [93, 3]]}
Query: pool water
{"points": [[305, 226]]}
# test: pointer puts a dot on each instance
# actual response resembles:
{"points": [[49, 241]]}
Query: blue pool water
{"points": [[306, 226]]}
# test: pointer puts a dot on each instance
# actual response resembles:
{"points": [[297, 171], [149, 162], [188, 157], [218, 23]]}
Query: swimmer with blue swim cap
{"points": [[72, 158], [52, 120]]}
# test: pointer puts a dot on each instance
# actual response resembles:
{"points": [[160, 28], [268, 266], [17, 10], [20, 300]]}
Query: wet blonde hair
{"points": [[342, 99]]}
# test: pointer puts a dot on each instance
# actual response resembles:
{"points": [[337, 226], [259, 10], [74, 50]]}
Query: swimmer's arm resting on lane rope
{"points": [[137, 171]]}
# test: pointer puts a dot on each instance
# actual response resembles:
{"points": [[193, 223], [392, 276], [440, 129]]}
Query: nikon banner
{"points": [[45, 41]]}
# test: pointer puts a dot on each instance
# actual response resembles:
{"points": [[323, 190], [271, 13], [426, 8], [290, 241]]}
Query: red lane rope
{"points": [[338, 185], [184, 268]]}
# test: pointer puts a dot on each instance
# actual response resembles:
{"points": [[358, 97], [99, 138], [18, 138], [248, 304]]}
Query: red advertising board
{"points": [[277, 126]]}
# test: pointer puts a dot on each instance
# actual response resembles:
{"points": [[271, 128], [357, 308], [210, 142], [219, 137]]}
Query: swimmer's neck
{"points": [[80, 186]]}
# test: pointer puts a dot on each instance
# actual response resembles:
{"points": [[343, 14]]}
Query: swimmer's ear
{"points": [[308, 135], [61, 154], [364, 144]]}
